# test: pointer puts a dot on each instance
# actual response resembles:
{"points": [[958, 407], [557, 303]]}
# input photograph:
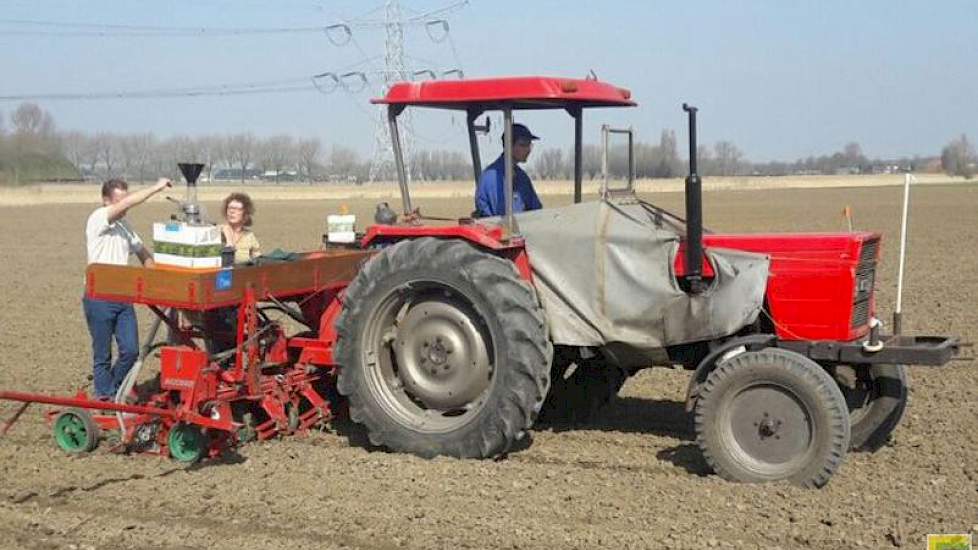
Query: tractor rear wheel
{"points": [[772, 415], [443, 349], [877, 399], [579, 388]]}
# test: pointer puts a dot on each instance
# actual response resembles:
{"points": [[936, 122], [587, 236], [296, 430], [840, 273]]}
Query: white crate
{"points": [[208, 262], [181, 233], [341, 228], [341, 236]]}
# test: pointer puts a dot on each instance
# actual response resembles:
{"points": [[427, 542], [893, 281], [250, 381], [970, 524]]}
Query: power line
{"points": [[156, 94], [339, 33], [214, 89], [440, 12], [350, 81], [64, 28], [416, 20], [102, 29]]}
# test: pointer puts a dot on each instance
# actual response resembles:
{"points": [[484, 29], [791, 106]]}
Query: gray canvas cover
{"points": [[604, 274]]}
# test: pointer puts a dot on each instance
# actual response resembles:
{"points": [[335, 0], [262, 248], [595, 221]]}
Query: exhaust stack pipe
{"points": [[694, 213]]}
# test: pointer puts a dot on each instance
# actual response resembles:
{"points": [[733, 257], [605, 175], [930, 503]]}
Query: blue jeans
{"points": [[105, 320]]}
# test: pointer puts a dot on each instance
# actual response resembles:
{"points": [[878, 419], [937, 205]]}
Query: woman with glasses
{"points": [[236, 233]]}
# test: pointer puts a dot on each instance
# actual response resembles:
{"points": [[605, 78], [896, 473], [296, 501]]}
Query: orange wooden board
{"points": [[212, 288]]}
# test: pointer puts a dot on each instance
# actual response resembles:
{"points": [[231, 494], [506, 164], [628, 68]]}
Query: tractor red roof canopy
{"points": [[506, 94], [530, 92]]}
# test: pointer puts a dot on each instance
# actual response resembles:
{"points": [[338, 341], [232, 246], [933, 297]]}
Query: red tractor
{"points": [[452, 339]]}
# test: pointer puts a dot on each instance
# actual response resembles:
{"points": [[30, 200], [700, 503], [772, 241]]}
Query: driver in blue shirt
{"points": [[490, 195]]}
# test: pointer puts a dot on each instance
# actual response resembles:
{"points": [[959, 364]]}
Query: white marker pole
{"points": [[897, 314]]}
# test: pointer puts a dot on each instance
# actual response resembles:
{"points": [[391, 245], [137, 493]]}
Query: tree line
{"points": [[32, 149], [724, 158]]}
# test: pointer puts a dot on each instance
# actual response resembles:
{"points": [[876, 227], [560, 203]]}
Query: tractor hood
{"points": [[605, 274]]}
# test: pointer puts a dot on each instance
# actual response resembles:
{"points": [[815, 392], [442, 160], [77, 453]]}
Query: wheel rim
{"points": [[769, 429], [186, 443], [428, 358], [71, 433]]}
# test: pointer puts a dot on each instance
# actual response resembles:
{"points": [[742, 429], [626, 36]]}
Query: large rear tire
{"points": [[772, 415], [443, 349], [877, 398]]}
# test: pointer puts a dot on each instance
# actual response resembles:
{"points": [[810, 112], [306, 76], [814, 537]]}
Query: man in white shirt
{"points": [[110, 240]]}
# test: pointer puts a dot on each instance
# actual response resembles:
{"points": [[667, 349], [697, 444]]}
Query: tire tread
{"points": [[523, 328]]}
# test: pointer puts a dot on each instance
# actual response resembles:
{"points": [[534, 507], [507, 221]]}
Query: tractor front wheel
{"points": [[443, 350], [772, 415]]}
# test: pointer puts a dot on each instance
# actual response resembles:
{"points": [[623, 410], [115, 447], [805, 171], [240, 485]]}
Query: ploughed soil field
{"points": [[631, 478]]}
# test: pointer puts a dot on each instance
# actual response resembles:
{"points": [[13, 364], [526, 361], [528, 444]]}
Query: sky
{"points": [[781, 80]]}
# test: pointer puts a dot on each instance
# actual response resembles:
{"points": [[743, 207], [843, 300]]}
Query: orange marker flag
{"points": [[847, 214]]}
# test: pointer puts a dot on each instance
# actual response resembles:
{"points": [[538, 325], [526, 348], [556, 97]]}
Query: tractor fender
{"points": [[488, 237], [750, 342], [487, 240]]}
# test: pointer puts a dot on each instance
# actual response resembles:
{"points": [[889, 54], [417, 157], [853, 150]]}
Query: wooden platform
{"points": [[209, 289]]}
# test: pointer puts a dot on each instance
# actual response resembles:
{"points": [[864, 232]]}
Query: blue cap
{"points": [[522, 132]]}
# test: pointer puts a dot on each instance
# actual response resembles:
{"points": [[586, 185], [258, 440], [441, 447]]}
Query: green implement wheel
{"points": [[187, 443], [75, 431]]}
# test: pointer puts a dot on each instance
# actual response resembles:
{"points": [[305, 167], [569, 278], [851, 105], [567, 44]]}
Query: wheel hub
{"points": [[70, 432], [437, 353], [770, 425], [441, 355]]}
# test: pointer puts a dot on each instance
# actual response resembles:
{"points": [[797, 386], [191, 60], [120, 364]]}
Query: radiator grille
{"points": [[860, 313], [867, 256], [865, 280]]}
